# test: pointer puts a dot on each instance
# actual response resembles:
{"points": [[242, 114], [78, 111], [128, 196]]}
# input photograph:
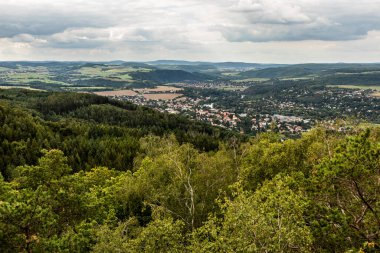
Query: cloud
{"points": [[271, 12], [49, 17], [236, 20], [177, 28], [292, 20]]}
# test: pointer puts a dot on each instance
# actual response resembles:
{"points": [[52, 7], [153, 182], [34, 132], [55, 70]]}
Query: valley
{"points": [[191, 126], [245, 98]]}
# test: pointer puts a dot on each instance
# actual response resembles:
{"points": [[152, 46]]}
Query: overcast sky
{"points": [[270, 31]]}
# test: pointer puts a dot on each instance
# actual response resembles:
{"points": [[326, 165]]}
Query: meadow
{"points": [[364, 87]]}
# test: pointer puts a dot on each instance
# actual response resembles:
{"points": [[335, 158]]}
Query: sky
{"points": [[263, 31]]}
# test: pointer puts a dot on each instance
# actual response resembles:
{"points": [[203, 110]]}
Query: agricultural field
{"points": [[364, 87], [131, 78], [17, 78], [353, 73], [87, 76], [19, 87], [111, 72], [159, 88], [254, 79], [297, 78], [233, 88], [162, 96], [116, 93], [30, 77], [230, 74], [86, 88], [157, 93]]}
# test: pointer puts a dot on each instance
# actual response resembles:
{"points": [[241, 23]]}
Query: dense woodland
{"points": [[82, 173]]}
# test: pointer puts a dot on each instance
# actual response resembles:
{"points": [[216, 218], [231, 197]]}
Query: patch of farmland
{"points": [[162, 96], [19, 87], [116, 93], [159, 89]]}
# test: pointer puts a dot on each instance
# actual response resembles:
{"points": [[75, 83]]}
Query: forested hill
{"points": [[165, 76], [82, 173], [90, 129]]}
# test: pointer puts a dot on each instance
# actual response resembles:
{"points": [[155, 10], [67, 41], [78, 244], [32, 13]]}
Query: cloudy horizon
{"points": [[263, 31]]}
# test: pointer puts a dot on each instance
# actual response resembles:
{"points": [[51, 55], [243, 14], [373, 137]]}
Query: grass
{"points": [[162, 96], [364, 87], [297, 78], [257, 79], [93, 72], [235, 73], [117, 93], [87, 88], [19, 87], [173, 84], [28, 77], [120, 72], [233, 88], [125, 77], [357, 73], [368, 125], [159, 88]]}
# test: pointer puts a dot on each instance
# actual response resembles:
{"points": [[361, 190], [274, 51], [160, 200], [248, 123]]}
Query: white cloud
{"points": [[271, 12], [250, 30], [296, 20]]}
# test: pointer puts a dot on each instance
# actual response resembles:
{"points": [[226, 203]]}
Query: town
{"points": [[289, 111]]}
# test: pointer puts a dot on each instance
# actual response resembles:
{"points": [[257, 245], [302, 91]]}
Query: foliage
{"points": [[72, 181], [269, 220]]}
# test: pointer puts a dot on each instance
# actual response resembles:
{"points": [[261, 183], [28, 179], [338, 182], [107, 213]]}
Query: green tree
{"points": [[25, 218], [269, 220], [181, 180], [348, 184], [160, 235], [52, 166]]}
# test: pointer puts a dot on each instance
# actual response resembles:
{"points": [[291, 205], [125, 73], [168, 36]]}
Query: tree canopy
{"points": [[71, 182]]}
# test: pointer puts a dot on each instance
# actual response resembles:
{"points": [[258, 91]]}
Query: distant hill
{"points": [[244, 65], [137, 65], [72, 75], [301, 70], [169, 76], [218, 65], [174, 62]]}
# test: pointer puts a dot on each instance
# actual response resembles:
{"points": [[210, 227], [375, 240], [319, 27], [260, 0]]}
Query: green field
{"points": [[297, 78], [101, 71], [255, 79], [233, 88], [364, 87], [29, 77], [19, 87], [234, 73], [354, 73], [55, 78], [368, 125], [89, 88]]}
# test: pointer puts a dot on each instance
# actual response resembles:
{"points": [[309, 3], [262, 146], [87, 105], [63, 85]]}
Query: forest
{"points": [[83, 173]]}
